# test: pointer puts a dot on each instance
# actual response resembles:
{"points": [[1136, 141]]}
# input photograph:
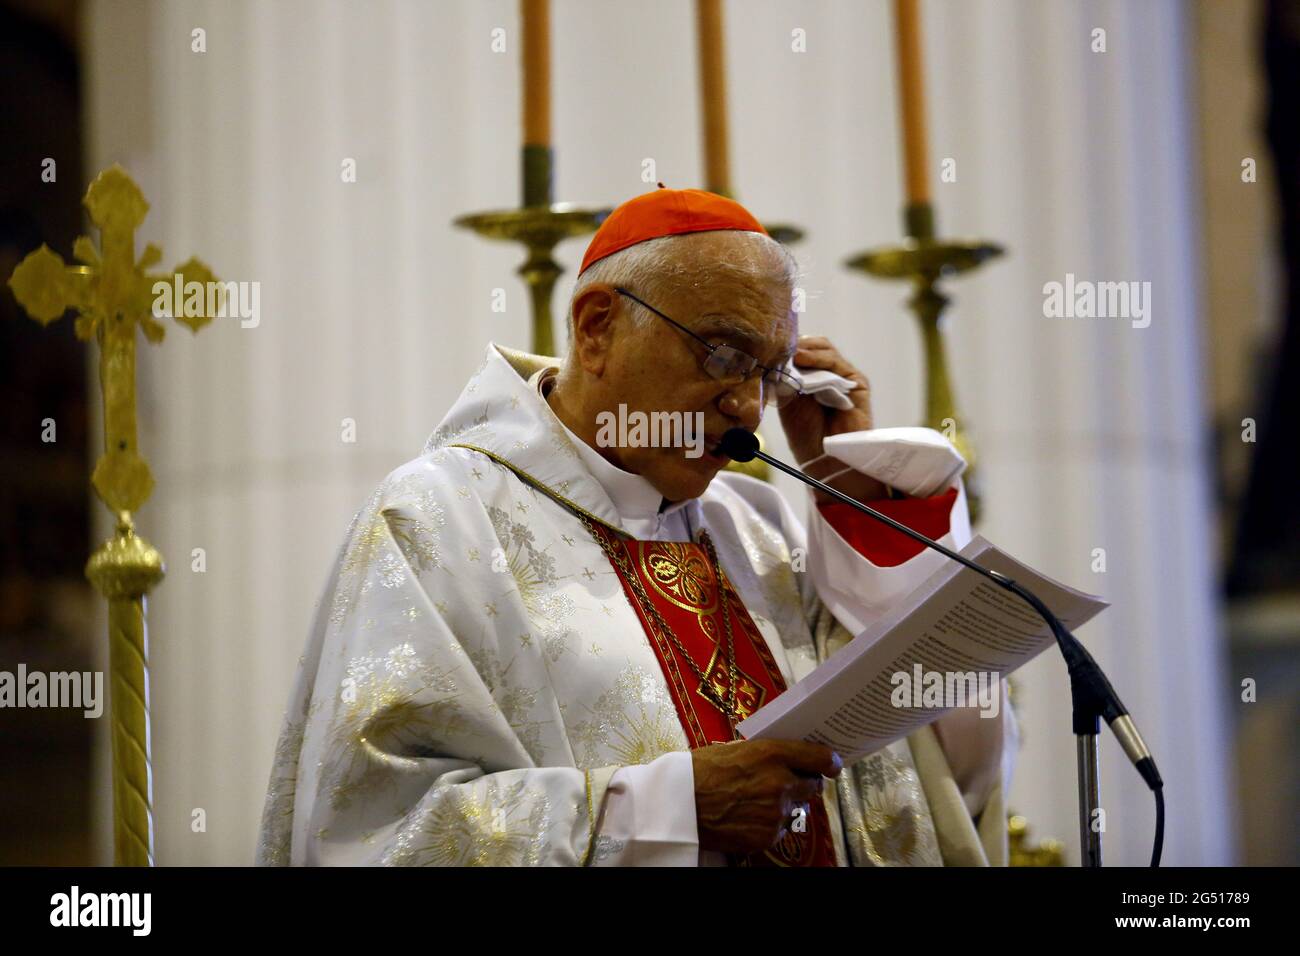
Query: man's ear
{"points": [[593, 327]]}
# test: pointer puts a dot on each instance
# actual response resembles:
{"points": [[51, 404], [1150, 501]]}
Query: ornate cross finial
{"points": [[112, 294]]}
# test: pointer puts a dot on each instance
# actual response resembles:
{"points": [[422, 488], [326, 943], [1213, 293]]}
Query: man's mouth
{"points": [[713, 449]]}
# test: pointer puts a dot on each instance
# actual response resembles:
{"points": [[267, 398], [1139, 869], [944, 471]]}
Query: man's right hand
{"points": [[746, 792]]}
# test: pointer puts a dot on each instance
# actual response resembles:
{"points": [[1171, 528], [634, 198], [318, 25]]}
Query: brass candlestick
{"points": [[924, 260], [114, 295], [539, 224]]}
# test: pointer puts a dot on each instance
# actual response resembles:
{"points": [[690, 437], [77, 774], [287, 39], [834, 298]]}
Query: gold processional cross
{"points": [[113, 295]]}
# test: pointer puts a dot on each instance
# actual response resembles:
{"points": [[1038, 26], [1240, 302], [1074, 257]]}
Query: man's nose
{"points": [[744, 402]]}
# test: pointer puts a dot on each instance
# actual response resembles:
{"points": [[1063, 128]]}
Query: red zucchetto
{"points": [[666, 212]]}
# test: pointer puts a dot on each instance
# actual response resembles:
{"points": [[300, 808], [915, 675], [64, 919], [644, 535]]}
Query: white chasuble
{"points": [[478, 690]]}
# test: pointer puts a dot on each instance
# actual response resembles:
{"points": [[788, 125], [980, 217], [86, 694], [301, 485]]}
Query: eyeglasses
{"points": [[727, 364]]}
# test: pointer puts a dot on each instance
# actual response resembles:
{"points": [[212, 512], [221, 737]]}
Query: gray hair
{"points": [[654, 267]]}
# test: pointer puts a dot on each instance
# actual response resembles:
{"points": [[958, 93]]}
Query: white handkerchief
{"points": [[827, 387], [916, 461]]}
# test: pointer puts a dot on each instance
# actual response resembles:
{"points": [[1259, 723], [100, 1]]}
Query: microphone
{"points": [[1093, 696]]}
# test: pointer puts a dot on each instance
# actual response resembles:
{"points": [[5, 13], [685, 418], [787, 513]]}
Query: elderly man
{"points": [[540, 634]]}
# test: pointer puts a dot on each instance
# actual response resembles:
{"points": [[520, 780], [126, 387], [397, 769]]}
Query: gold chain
{"points": [[727, 706]]}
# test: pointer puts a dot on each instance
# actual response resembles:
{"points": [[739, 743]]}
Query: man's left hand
{"points": [[807, 421]]}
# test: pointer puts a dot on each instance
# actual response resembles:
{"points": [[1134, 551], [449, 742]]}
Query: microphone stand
{"points": [[1091, 693]]}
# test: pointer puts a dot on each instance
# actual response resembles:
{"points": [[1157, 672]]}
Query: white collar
{"points": [[633, 497]]}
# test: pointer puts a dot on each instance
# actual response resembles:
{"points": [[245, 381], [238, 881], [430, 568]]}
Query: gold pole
{"points": [[112, 295], [123, 569]]}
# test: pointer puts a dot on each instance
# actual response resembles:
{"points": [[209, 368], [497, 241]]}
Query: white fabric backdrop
{"points": [[375, 309]]}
